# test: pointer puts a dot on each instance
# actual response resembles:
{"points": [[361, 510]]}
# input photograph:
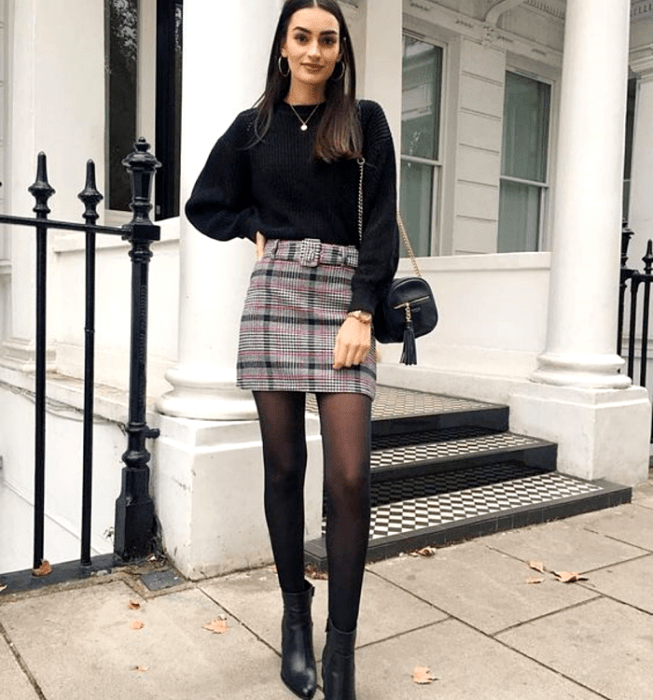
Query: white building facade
{"points": [[509, 118]]}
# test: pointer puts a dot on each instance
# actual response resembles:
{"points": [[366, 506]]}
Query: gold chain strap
{"points": [[400, 222]]}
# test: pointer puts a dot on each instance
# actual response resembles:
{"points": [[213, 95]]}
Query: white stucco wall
{"points": [[63, 476]]}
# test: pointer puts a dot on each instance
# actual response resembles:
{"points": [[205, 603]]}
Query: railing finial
{"points": [[626, 234], [90, 195], [142, 166], [648, 258], [41, 190]]}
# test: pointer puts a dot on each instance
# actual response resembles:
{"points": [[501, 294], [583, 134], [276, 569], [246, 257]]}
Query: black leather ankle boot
{"points": [[298, 670], [338, 668]]}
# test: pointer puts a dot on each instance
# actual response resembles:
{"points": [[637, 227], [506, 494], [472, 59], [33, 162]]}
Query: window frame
{"points": [[542, 74], [438, 166], [146, 96]]}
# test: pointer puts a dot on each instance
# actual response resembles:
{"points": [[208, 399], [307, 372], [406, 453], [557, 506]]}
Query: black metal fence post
{"points": [[41, 191], [636, 280], [134, 527], [90, 198], [626, 274], [648, 268]]}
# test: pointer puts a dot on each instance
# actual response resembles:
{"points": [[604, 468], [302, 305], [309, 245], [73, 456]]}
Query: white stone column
{"points": [[226, 49], [383, 53], [580, 347], [56, 106], [579, 398]]}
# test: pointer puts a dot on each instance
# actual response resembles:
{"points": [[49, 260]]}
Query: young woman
{"points": [[286, 175]]}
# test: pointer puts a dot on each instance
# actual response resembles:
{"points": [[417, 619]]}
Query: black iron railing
{"points": [[134, 523], [635, 301]]}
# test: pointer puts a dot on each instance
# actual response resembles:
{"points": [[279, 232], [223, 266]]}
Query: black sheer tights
{"points": [[345, 426]]}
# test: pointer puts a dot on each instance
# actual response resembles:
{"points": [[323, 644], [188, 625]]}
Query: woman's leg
{"points": [[281, 415], [346, 438]]}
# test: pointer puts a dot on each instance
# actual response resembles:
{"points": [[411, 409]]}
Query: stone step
{"points": [[447, 515], [428, 452], [400, 411]]}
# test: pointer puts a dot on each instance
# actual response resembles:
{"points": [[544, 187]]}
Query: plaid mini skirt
{"points": [[298, 298]]}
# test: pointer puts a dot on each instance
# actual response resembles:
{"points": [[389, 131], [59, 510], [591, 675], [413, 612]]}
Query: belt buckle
{"points": [[309, 252], [340, 255]]}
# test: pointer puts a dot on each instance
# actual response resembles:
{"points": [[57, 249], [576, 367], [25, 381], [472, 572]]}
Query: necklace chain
{"points": [[304, 126]]}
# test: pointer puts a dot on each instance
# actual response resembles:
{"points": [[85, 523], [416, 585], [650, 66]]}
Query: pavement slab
{"points": [[563, 546], [466, 663], [13, 682], [79, 645], [604, 645], [630, 582], [632, 524], [483, 587], [255, 599], [643, 494]]}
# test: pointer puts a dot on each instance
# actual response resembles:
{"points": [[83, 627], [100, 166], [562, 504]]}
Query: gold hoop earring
{"points": [[287, 73], [342, 72]]}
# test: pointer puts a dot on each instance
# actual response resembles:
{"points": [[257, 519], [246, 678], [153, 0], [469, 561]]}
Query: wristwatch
{"points": [[362, 316]]}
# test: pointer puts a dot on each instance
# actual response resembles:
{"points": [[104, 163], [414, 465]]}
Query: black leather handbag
{"points": [[408, 310]]}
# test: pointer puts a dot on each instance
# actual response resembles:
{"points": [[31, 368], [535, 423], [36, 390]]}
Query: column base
{"points": [[202, 395], [586, 371], [207, 480], [601, 433]]}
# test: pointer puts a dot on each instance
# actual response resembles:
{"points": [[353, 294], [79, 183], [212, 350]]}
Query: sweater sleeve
{"points": [[379, 248], [221, 204]]}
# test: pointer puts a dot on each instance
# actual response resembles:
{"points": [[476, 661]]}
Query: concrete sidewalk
{"points": [[468, 613]]}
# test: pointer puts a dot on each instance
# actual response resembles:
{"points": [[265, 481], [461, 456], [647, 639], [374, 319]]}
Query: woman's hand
{"points": [[353, 343], [260, 245]]}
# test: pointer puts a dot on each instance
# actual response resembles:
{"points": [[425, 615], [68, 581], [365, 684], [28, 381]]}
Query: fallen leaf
{"points": [[569, 576], [315, 574], [536, 565], [424, 552], [43, 570], [141, 669], [134, 605], [422, 675], [534, 579], [219, 625], [137, 624], [2, 588]]}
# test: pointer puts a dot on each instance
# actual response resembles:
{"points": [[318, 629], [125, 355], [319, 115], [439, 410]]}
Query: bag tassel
{"points": [[409, 354]]}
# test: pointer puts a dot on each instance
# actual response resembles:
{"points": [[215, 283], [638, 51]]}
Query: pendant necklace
{"points": [[304, 126]]}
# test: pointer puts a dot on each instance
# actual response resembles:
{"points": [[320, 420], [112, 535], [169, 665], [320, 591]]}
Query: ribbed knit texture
{"points": [[278, 188]]}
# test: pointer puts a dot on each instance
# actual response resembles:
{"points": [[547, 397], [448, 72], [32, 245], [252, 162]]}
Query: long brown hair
{"points": [[338, 132]]}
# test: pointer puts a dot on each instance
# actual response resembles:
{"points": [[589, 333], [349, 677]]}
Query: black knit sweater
{"points": [[278, 188]]}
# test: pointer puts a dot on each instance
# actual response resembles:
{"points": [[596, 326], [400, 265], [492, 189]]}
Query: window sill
{"points": [[486, 261]]}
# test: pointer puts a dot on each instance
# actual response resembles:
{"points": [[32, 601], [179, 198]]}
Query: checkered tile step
{"points": [[449, 449], [389, 491], [403, 403], [418, 513], [381, 442]]}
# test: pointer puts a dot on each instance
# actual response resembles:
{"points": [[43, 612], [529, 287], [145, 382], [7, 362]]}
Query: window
{"points": [[168, 106], [122, 63], [126, 99], [630, 132], [524, 163], [420, 143]]}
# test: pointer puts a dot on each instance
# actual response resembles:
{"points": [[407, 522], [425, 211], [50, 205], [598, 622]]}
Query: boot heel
{"points": [[338, 666]]}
